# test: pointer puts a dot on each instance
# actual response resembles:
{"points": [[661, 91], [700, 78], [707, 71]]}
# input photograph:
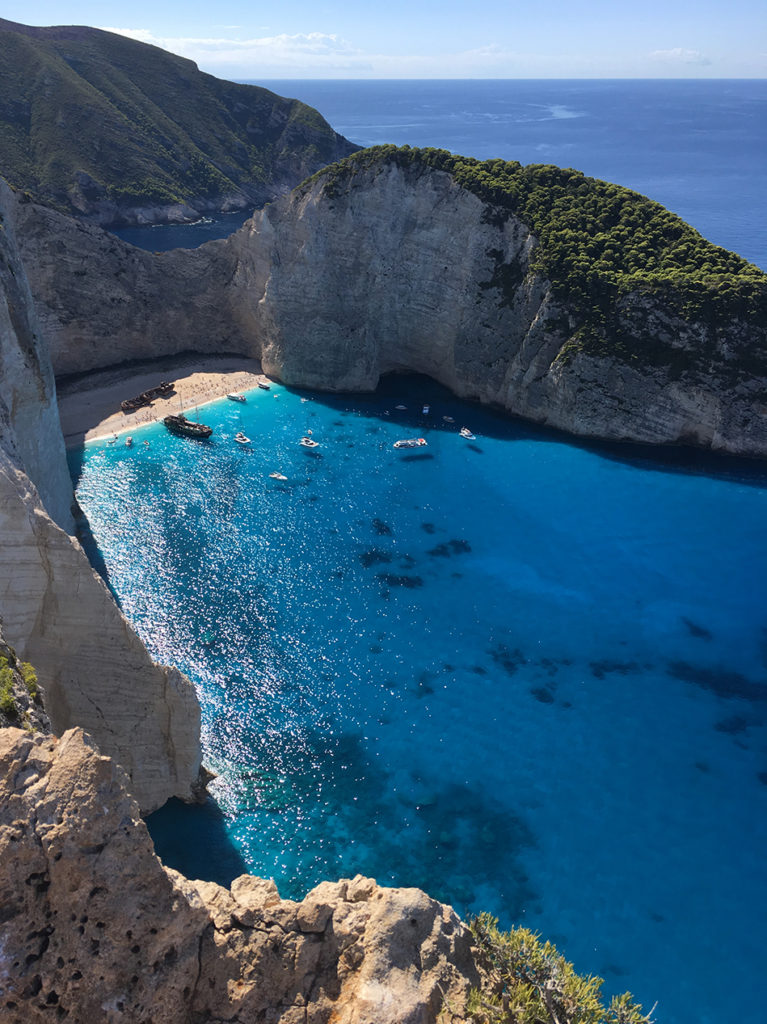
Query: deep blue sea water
{"points": [[527, 675], [698, 147]]}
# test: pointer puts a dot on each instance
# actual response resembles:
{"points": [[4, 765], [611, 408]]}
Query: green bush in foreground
{"points": [[7, 699], [532, 983]]}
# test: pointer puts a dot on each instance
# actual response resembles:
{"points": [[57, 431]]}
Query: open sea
{"points": [[526, 674]]}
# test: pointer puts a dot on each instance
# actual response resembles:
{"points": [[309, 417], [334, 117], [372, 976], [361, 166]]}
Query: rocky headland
{"points": [[395, 261]]}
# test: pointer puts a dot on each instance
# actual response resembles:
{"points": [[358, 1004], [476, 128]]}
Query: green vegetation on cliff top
{"points": [[600, 244], [89, 115]]}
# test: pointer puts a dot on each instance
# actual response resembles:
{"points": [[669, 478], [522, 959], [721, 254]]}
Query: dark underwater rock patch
{"points": [[381, 528], [599, 669], [428, 527], [721, 681], [732, 726], [542, 694], [393, 580], [508, 660], [697, 631], [375, 557]]}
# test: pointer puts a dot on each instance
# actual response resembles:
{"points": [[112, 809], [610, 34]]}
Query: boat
{"points": [[411, 442], [128, 442], [189, 428], [308, 442], [400, 407], [234, 397], [425, 410], [277, 476], [465, 432], [448, 419], [240, 438], [161, 390], [264, 385]]}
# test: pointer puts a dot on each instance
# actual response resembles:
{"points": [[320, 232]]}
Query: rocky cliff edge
{"points": [[95, 929]]}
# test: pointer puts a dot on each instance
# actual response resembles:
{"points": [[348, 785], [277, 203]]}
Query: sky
{"points": [[242, 39]]}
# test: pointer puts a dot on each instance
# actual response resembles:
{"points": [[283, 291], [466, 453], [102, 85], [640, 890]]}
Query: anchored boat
{"points": [[411, 442], [188, 428]]}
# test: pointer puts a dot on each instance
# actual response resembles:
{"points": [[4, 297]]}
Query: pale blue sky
{"points": [[437, 38]]}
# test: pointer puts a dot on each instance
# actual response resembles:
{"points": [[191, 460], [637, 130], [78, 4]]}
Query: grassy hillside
{"points": [[87, 115], [601, 246]]}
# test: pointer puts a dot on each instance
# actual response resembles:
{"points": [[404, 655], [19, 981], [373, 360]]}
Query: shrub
{"points": [[530, 982]]}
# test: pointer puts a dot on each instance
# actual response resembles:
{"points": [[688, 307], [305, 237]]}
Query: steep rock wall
{"points": [[55, 611], [404, 269], [95, 928], [401, 270]]}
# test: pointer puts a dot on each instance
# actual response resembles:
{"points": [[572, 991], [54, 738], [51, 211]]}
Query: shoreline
{"points": [[89, 407]]}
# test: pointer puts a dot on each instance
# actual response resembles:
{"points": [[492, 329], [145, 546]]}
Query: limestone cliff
{"points": [[54, 610], [402, 267], [95, 929]]}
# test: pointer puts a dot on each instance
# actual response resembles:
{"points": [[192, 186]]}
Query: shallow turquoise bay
{"points": [[523, 674]]}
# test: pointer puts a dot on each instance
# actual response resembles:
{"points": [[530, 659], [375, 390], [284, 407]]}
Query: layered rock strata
{"points": [[54, 610], [95, 929], [404, 269]]}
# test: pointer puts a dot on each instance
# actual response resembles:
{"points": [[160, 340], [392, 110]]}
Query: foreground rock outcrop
{"points": [[396, 266], [94, 929], [54, 610]]}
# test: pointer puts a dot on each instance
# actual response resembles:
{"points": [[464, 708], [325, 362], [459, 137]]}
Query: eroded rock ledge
{"points": [[94, 928]]}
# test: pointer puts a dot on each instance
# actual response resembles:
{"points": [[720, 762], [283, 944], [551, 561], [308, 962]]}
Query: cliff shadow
{"points": [[192, 839], [415, 392]]}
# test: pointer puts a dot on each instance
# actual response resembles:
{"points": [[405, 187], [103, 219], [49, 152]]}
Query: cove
{"points": [[523, 674]]}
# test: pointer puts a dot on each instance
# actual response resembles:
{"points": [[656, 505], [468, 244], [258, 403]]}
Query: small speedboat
{"points": [[411, 442], [425, 410], [448, 419], [235, 397], [308, 442], [128, 442], [277, 476], [400, 407], [240, 438], [465, 432], [264, 385]]}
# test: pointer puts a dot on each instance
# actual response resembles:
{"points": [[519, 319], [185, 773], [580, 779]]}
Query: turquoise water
{"points": [[525, 675]]}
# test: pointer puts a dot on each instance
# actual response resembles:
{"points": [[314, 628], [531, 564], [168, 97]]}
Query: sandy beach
{"points": [[89, 405]]}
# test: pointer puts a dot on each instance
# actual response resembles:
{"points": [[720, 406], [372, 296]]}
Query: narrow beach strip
{"points": [[89, 405]]}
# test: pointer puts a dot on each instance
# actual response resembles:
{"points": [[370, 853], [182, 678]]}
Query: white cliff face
{"points": [[399, 269], [29, 418], [407, 270], [55, 611]]}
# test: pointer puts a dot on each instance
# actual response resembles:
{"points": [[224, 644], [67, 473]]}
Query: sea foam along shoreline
{"points": [[89, 406]]}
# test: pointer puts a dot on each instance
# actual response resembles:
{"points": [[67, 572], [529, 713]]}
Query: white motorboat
{"points": [[425, 410], [277, 476], [308, 442], [465, 432], [400, 407], [240, 438], [411, 442], [235, 397]]}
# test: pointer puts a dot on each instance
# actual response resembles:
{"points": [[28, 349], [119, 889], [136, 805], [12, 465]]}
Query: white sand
{"points": [[89, 407]]}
